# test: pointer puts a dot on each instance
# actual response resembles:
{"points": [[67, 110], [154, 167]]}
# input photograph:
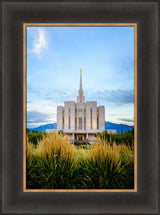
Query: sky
{"points": [[55, 56]]}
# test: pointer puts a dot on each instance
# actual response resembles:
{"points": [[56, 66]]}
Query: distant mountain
{"points": [[119, 127], [108, 125], [44, 127]]}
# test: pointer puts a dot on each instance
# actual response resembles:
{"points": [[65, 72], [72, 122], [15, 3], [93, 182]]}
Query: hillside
{"points": [[108, 125], [119, 127], [44, 127]]}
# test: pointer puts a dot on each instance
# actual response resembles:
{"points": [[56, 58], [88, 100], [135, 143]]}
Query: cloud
{"points": [[118, 96], [38, 117], [126, 120], [40, 42]]}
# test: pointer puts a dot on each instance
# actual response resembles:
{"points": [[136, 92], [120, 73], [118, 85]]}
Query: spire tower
{"points": [[80, 97]]}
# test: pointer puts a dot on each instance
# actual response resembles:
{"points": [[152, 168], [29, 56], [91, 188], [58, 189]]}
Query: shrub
{"points": [[126, 138], [35, 136]]}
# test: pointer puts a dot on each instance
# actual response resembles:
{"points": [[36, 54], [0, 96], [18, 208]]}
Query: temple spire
{"points": [[80, 86], [80, 97]]}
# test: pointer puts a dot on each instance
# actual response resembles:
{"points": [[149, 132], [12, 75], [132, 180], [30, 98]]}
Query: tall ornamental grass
{"points": [[56, 164], [31, 166], [103, 167]]}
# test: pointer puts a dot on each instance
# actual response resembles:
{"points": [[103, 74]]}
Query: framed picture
{"points": [[80, 151], [80, 126]]}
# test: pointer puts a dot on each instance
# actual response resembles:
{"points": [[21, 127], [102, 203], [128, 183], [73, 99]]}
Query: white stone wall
{"points": [[111, 131], [59, 117], [101, 118], [91, 105], [92, 138], [51, 130], [80, 106], [69, 105], [80, 99], [69, 137]]}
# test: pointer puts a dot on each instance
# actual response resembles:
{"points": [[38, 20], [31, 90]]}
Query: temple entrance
{"points": [[80, 137]]}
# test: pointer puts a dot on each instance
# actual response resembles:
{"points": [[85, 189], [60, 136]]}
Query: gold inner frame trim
{"points": [[25, 25]]}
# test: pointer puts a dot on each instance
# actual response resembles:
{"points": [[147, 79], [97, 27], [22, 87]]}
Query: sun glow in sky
{"points": [[55, 56]]}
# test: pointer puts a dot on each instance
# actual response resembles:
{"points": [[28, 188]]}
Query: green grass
{"points": [[56, 164]]}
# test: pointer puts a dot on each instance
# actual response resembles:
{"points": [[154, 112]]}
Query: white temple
{"points": [[82, 120]]}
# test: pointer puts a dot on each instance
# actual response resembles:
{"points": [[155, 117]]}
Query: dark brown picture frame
{"points": [[25, 25], [14, 14]]}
